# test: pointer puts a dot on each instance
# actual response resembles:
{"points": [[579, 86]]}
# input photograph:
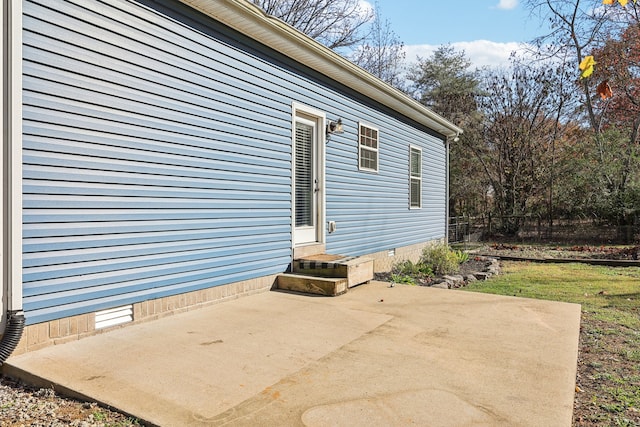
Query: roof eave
{"points": [[251, 21]]}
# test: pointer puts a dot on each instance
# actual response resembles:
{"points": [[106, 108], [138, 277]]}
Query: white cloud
{"points": [[366, 7], [507, 4], [481, 53]]}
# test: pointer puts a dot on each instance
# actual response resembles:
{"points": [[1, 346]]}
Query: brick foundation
{"points": [[73, 328], [383, 262], [68, 329]]}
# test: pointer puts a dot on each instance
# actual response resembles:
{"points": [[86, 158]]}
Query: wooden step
{"points": [[328, 286], [356, 270]]}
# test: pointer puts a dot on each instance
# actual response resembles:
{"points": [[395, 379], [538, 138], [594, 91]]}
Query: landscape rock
{"points": [[478, 268], [482, 275], [453, 279]]}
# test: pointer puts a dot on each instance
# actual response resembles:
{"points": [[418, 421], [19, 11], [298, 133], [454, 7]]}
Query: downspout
{"points": [[11, 168], [447, 180], [446, 195]]}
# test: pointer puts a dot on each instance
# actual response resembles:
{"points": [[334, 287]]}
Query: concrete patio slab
{"points": [[376, 356]]}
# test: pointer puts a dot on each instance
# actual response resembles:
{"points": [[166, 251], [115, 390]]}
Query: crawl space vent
{"points": [[114, 316]]}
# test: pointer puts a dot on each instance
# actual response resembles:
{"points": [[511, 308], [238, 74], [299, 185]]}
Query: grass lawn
{"points": [[608, 380]]}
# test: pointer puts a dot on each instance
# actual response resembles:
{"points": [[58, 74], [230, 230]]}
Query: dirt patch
{"points": [[23, 405], [576, 251], [473, 265], [608, 378]]}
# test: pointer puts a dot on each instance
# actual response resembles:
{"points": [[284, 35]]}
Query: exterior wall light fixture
{"points": [[334, 127]]}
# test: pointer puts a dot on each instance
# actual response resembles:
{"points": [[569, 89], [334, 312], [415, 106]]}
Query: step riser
{"points": [[356, 271], [338, 271], [312, 285]]}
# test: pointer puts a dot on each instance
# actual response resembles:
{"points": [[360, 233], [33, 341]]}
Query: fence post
{"points": [[490, 233], [539, 229]]}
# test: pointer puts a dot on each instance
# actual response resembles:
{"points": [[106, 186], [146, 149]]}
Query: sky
{"points": [[487, 30]]}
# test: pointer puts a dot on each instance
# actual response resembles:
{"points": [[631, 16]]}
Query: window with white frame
{"points": [[368, 148], [415, 177]]}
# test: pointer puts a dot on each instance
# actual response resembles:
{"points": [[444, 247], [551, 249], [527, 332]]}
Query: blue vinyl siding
{"points": [[157, 158], [150, 169], [372, 209]]}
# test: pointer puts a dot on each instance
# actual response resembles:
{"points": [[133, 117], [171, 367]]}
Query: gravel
{"points": [[23, 405]]}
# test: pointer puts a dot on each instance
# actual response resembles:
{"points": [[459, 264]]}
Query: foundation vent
{"points": [[114, 316]]}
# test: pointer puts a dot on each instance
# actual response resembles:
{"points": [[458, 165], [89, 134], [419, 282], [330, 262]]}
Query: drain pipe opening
{"points": [[12, 334]]}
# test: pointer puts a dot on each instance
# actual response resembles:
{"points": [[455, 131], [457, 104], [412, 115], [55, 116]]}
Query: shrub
{"points": [[402, 278], [441, 259], [462, 256], [409, 268]]}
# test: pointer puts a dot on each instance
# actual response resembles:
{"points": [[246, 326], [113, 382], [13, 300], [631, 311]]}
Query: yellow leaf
{"points": [[607, 1], [586, 66], [623, 2]]}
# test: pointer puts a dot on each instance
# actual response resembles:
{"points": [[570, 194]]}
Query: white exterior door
{"points": [[307, 178]]}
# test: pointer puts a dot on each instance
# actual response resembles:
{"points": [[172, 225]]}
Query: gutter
{"points": [[11, 172], [250, 20]]}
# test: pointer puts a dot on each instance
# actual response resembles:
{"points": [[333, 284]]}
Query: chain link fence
{"points": [[537, 229]]}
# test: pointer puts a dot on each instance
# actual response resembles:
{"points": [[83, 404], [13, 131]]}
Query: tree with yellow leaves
{"points": [[587, 64], [622, 2], [602, 42]]}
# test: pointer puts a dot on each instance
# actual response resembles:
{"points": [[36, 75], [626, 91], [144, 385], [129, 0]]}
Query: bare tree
{"points": [[521, 109], [577, 27], [349, 27], [335, 23], [382, 53]]}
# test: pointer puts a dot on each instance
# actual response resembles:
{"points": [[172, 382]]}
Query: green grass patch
{"points": [[611, 293]]}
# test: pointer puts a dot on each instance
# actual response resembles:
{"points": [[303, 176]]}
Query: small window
{"points": [[368, 149], [415, 178]]}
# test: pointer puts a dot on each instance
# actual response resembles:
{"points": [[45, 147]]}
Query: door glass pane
{"points": [[304, 175]]}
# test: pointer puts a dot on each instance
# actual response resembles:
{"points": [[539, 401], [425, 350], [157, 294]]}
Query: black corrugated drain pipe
{"points": [[12, 334]]}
